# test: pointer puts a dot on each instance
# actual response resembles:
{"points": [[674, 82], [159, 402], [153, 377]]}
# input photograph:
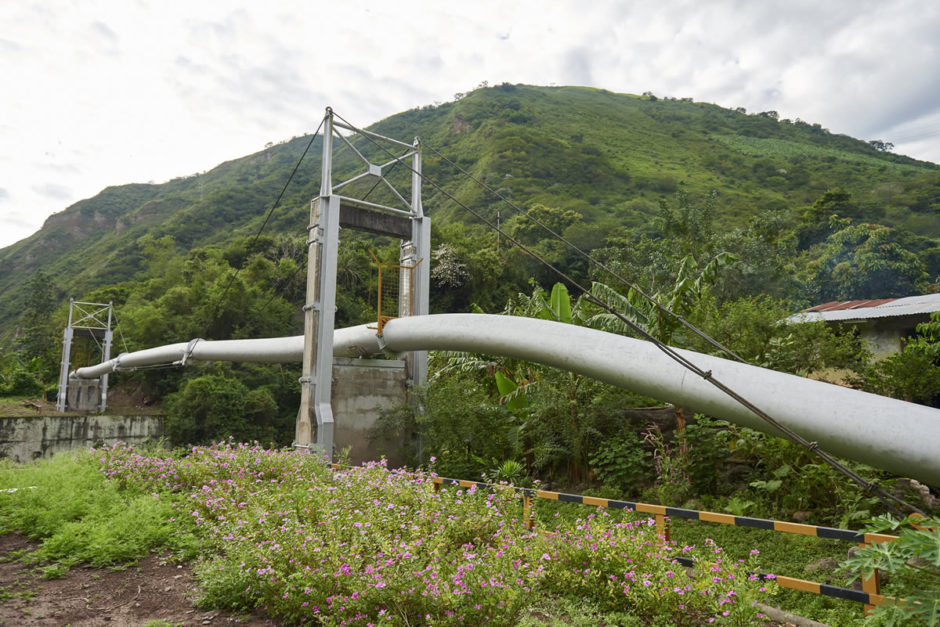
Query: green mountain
{"points": [[603, 163]]}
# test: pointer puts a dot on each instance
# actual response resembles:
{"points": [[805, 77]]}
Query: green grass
{"points": [[788, 149], [80, 517], [20, 406]]}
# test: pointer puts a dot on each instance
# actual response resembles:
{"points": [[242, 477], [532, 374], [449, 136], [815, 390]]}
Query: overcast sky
{"points": [[106, 92]]}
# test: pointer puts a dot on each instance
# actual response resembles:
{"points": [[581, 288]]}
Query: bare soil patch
{"points": [[155, 589]]}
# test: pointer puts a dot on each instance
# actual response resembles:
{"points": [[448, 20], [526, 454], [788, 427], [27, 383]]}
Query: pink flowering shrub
{"points": [[374, 546]]}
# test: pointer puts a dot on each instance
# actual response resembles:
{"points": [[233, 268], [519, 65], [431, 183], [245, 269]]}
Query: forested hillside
{"points": [[608, 158], [656, 188]]}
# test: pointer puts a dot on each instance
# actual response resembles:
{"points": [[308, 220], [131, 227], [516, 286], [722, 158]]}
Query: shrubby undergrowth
{"points": [[278, 530]]}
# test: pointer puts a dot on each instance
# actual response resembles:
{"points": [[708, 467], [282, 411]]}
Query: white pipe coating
{"points": [[352, 342], [900, 437]]}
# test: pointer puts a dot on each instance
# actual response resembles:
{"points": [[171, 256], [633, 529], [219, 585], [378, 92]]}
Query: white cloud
{"points": [[106, 92]]}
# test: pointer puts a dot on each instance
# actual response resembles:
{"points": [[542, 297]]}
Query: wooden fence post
{"points": [[871, 584], [527, 513], [662, 526]]}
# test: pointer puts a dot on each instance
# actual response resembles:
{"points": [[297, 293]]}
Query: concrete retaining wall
{"points": [[23, 439], [362, 389]]}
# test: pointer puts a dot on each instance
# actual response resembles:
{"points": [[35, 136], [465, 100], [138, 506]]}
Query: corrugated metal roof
{"points": [[869, 309], [850, 304]]}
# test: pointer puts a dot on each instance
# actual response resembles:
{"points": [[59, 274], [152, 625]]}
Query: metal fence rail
{"points": [[870, 594]]}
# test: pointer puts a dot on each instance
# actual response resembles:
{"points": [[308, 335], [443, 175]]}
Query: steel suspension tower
{"points": [[402, 217]]}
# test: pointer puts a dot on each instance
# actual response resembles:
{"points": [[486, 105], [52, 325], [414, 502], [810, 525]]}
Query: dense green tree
{"points": [[465, 429], [881, 145], [908, 375], [472, 268], [539, 222], [36, 336], [681, 241], [752, 327], [766, 259], [689, 227], [208, 408], [38, 343], [815, 224], [656, 315], [244, 401], [160, 254], [865, 261]]}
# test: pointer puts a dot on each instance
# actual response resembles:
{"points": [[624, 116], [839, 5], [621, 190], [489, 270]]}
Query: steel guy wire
{"points": [[299, 266], [591, 259], [267, 218], [813, 447]]}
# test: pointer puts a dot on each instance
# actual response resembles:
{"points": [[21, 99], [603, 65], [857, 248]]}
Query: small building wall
{"points": [[881, 340], [26, 438], [362, 389], [884, 337]]}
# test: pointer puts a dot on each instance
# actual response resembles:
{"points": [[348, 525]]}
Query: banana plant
{"points": [[555, 306], [691, 287]]}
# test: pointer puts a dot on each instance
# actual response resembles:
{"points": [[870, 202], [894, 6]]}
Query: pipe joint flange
{"points": [[188, 353]]}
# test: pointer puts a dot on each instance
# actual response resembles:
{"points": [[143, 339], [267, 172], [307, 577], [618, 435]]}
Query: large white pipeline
{"points": [[902, 438]]}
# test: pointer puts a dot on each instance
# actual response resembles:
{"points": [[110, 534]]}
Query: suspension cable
{"points": [[120, 332], [870, 487], [593, 260], [299, 266], [267, 218]]}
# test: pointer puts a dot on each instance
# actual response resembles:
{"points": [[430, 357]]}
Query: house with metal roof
{"points": [[882, 324]]}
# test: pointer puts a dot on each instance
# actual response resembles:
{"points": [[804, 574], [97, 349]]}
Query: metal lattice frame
{"points": [[92, 319]]}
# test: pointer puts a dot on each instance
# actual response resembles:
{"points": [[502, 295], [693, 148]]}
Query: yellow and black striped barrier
{"points": [[830, 533], [871, 585], [869, 595], [870, 599]]}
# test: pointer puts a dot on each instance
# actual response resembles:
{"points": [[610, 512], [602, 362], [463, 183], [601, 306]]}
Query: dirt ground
{"points": [[153, 590]]}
